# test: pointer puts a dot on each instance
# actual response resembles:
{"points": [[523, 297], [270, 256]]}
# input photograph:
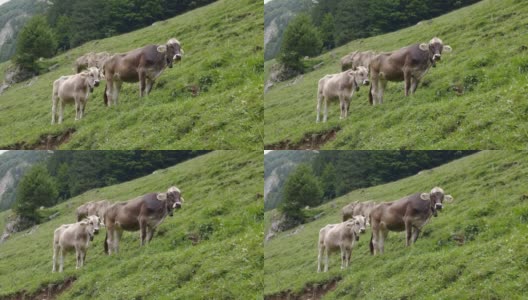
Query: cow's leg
{"points": [[319, 98], [77, 108], [374, 90], [61, 110], [407, 80], [55, 252], [381, 89], [349, 253], [110, 239], [415, 234], [143, 230], [61, 266], [326, 260], [53, 107], [408, 232], [115, 91], [383, 236], [347, 104], [109, 92], [148, 88], [78, 256], [342, 105], [150, 233], [83, 105], [142, 84], [414, 84], [321, 252], [325, 109], [343, 257]]}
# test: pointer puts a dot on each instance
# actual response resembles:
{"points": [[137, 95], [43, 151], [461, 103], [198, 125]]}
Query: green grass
{"points": [[489, 59], [490, 209], [223, 56], [223, 206]]}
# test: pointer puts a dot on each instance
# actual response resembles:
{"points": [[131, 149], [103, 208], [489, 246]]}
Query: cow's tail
{"points": [[106, 242], [370, 94], [371, 245]]}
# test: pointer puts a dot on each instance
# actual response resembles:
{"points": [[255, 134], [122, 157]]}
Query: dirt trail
{"points": [[310, 141], [45, 142], [49, 292], [313, 292]]}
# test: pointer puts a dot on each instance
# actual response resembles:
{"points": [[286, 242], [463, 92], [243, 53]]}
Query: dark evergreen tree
{"points": [[37, 188], [301, 189]]}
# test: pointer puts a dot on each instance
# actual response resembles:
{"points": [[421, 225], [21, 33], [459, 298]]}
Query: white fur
{"points": [[162, 49]]}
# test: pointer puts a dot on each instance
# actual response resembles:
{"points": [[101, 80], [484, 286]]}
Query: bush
{"points": [[301, 39], [37, 188], [300, 189], [34, 41]]}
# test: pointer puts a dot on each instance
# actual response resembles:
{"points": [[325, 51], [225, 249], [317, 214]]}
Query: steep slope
{"points": [[210, 249], [211, 100], [474, 249], [474, 99]]}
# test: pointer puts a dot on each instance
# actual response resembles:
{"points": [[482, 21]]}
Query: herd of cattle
{"points": [[143, 213], [409, 214], [141, 65], [408, 64]]}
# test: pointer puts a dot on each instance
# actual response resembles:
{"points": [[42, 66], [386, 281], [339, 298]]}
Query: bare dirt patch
{"points": [[310, 141], [313, 292], [49, 292], [45, 142]]}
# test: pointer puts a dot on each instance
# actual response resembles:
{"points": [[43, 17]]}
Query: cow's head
{"points": [[436, 197], [93, 74], [360, 76], [353, 226], [95, 222], [172, 50], [435, 48], [362, 223], [88, 225], [173, 198]]}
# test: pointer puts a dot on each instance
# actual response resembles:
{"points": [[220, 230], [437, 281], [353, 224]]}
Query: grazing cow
{"points": [[91, 60], [143, 213], [93, 208], [357, 59], [76, 236], [410, 213], [409, 64], [339, 236], [74, 88], [142, 64], [358, 209], [341, 85]]}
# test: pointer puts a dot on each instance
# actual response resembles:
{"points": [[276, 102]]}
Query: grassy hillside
{"points": [[474, 99], [210, 249], [223, 60], [490, 212]]}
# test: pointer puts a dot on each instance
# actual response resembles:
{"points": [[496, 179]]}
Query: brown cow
{"points": [[91, 59], [357, 59], [142, 64], [339, 236], [93, 208], [76, 236], [342, 86], [143, 213], [74, 88], [408, 64], [410, 213], [358, 209]]}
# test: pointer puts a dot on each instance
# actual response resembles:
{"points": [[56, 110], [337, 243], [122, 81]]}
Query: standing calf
{"points": [[342, 236], [76, 236], [73, 89], [341, 86]]}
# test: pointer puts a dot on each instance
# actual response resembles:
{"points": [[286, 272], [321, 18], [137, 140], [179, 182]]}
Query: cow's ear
{"points": [[84, 223], [425, 196], [448, 48], [448, 198], [162, 196], [424, 47], [162, 49]]}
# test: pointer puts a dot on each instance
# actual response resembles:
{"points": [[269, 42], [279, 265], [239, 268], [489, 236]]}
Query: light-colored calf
{"points": [[340, 86], [342, 236], [73, 88], [76, 236]]}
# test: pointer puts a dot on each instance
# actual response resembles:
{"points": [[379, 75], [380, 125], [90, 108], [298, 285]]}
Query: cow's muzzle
{"points": [[437, 57], [96, 231], [362, 230], [438, 206], [96, 83], [366, 82], [177, 57], [177, 205]]}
